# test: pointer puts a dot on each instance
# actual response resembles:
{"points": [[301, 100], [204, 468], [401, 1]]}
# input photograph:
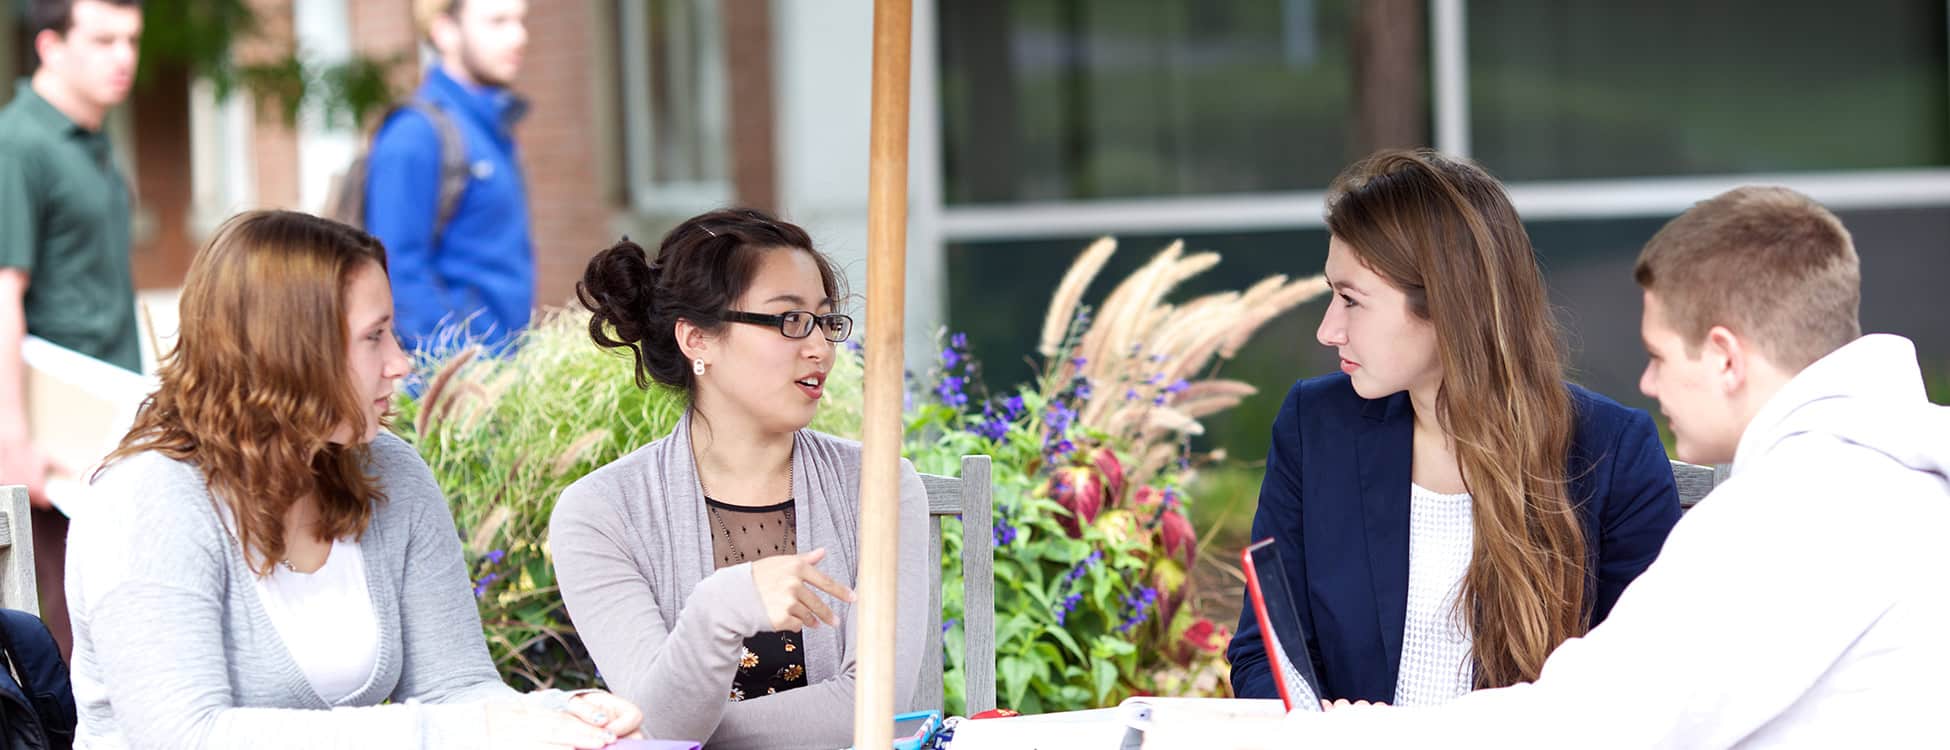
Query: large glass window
{"points": [[1583, 89], [1075, 99], [676, 117], [1002, 289]]}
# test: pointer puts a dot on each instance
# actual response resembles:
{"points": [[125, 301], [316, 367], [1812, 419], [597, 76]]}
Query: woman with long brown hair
{"points": [[261, 564], [1448, 509]]}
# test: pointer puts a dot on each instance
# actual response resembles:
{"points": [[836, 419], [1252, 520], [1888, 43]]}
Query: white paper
{"points": [[78, 409]]}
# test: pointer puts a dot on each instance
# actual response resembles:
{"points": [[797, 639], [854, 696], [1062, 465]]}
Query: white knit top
{"points": [[1435, 664], [326, 619]]}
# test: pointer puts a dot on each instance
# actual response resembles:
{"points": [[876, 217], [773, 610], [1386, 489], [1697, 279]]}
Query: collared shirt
{"points": [[64, 219]]}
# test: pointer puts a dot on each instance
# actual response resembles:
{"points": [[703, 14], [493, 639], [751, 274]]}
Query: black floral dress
{"points": [[772, 662]]}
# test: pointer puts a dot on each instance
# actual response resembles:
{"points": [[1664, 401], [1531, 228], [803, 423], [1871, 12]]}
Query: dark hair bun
{"points": [[620, 287], [702, 268]]}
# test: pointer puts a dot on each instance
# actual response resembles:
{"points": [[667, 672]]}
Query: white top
{"points": [[326, 620], [1435, 664], [1800, 605]]}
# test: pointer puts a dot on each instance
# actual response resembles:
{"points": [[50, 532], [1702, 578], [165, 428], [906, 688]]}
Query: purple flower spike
{"points": [[950, 391]]}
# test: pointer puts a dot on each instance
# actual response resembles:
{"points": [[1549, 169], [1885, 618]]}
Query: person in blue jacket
{"points": [[470, 278], [1447, 508]]}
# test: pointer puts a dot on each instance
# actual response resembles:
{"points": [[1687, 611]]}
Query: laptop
{"points": [[1280, 627]]}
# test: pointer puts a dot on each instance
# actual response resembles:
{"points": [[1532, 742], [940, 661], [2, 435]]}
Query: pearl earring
{"points": [[697, 366]]}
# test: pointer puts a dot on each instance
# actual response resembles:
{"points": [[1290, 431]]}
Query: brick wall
{"points": [[569, 142], [748, 66], [563, 140], [559, 154], [160, 113], [384, 29], [274, 145]]}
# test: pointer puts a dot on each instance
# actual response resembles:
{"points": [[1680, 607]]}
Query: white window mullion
{"points": [[682, 52], [1449, 43], [1567, 200], [324, 32], [222, 171], [638, 133]]}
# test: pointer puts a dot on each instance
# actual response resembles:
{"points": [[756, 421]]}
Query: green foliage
{"points": [[196, 34], [505, 436], [1083, 618], [359, 88], [201, 36]]}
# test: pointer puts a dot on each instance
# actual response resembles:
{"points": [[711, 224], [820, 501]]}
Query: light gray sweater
{"points": [[632, 548], [172, 647]]}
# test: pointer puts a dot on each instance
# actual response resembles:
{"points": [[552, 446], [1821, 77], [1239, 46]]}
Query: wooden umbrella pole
{"points": [[873, 698]]}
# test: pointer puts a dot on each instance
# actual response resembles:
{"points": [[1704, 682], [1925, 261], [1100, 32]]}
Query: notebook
{"points": [[1280, 627]]}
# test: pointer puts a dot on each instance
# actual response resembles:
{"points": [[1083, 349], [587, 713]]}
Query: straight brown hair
{"points": [[259, 382], [1768, 263], [1442, 230]]}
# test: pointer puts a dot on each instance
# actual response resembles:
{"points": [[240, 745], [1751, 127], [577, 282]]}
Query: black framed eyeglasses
{"points": [[798, 324]]}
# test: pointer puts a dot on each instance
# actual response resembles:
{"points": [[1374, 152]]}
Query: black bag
{"points": [[37, 710]]}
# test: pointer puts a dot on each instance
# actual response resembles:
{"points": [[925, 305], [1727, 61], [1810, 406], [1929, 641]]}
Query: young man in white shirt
{"points": [[1804, 602]]}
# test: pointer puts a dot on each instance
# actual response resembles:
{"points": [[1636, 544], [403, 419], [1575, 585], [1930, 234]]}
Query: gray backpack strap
{"points": [[454, 169]]}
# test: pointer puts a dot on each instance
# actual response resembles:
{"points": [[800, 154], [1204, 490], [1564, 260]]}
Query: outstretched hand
{"points": [[785, 587]]}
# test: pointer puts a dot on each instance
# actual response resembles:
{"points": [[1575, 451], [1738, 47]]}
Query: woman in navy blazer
{"points": [[1447, 508]]}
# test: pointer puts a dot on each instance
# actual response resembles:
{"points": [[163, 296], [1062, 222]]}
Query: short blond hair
{"points": [[425, 12], [1768, 263]]}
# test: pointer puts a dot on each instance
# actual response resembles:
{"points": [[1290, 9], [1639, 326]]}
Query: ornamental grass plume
{"points": [[1150, 362]]}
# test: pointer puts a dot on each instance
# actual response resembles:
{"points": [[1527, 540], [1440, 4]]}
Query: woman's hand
{"points": [[785, 587], [519, 726], [608, 713], [1326, 705]]}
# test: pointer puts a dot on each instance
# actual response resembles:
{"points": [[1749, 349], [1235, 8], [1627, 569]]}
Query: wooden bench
{"points": [[1695, 481], [967, 496], [17, 552]]}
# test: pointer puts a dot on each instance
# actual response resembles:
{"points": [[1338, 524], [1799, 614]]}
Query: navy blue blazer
{"points": [[1336, 495]]}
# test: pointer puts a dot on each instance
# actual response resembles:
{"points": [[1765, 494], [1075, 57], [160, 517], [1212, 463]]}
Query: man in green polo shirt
{"points": [[64, 235]]}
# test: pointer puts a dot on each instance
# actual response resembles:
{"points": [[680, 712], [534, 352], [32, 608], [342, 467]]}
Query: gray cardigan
{"points": [[172, 647], [632, 550]]}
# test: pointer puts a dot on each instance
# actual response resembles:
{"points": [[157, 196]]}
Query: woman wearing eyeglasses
{"points": [[710, 572]]}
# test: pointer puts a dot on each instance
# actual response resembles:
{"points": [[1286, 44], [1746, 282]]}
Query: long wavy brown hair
{"points": [[1442, 230], [258, 381]]}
